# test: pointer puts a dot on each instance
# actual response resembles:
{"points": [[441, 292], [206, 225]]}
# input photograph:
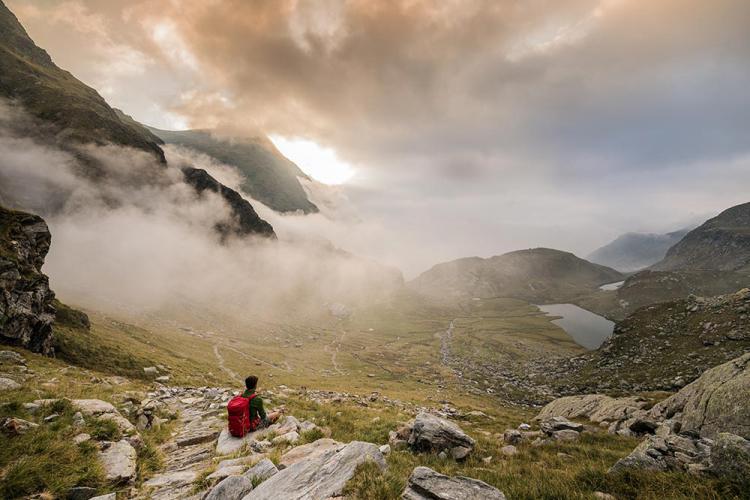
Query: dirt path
{"points": [[335, 352], [445, 344], [222, 364]]}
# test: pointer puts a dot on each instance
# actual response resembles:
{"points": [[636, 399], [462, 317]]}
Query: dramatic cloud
{"points": [[476, 126]]}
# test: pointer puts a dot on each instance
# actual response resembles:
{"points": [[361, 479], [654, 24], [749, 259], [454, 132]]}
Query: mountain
{"points": [[71, 114], [635, 251], [75, 111], [537, 275], [721, 243], [267, 175]]}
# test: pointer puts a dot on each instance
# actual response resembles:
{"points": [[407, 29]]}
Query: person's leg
{"points": [[273, 416]]}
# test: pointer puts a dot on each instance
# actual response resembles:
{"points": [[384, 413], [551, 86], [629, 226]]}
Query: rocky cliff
{"points": [[634, 251], [26, 310]]}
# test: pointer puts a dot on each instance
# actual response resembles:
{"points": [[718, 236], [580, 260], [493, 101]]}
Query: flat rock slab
{"points": [[228, 444], [262, 470], [172, 479], [118, 460], [231, 488], [320, 477], [310, 450], [426, 484], [196, 435]]}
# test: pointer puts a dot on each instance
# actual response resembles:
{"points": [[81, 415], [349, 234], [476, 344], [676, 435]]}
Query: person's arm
{"points": [[259, 408]]}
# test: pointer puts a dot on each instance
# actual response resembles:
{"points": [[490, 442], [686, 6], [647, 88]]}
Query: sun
{"points": [[320, 163]]}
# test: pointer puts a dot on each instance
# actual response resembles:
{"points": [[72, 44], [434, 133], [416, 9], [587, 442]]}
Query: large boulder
{"points": [[432, 433], [26, 310], [118, 461], [730, 456], [318, 478], [718, 401], [426, 484], [595, 407]]}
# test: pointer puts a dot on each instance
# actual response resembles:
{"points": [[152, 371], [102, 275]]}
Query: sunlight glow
{"points": [[320, 163]]}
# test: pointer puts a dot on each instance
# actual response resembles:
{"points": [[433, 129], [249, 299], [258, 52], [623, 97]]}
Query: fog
{"points": [[138, 239]]}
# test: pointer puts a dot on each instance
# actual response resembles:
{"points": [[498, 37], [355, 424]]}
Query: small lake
{"points": [[612, 286], [586, 328]]}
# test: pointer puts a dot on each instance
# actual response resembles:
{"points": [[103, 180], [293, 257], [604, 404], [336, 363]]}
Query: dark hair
{"points": [[251, 382]]}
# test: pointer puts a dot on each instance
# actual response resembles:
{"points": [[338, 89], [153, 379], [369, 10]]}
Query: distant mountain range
{"points": [[535, 275], [634, 251], [268, 176]]}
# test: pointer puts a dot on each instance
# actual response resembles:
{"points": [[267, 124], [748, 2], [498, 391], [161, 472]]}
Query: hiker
{"points": [[246, 413]]}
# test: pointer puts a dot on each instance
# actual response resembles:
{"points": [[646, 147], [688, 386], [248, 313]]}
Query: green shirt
{"points": [[256, 406]]}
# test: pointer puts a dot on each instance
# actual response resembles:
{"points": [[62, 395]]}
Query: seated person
{"points": [[258, 417]]}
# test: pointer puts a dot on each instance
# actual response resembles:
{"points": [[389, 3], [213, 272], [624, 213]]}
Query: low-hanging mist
{"points": [[134, 237]]}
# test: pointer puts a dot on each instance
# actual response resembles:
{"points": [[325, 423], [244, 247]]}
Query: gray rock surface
{"points": [[426, 484], [595, 407], [7, 384], [432, 433], [261, 471], [231, 488], [309, 450], [26, 310], [318, 478], [730, 456], [718, 401], [118, 460]]}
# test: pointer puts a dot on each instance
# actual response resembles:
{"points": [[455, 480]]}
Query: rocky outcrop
{"points": [[26, 310], [428, 432], [118, 461], [595, 407], [231, 488], [244, 219], [718, 401], [426, 484], [321, 477], [307, 451]]}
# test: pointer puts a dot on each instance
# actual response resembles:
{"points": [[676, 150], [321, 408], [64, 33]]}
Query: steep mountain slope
{"points": [[75, 111], [721, 243], [634, 251], [539, 274], [268, 176]]}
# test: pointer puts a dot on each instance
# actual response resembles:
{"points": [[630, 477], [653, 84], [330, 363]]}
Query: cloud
{"points": [[477, 126]]}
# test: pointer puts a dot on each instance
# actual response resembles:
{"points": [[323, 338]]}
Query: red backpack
{"points": [[238, 410]]}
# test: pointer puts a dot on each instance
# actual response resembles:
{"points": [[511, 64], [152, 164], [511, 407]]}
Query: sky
{"points": [[463, 127]]}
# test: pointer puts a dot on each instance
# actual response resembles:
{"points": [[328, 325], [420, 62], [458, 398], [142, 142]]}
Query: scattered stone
{"points": [[12, 426], [320, 477], [81, 438], [163, 379], [52, 417], [566, 435], [288, 438], [172, 479], [151, 371], [432, 433], [231, 488], [552, 424], [12, 358], [385, 449], [524, 427], [7, 384], [118, 460], [221, 473], [512, 436], [426, 484], [78, 420], [509, 450], [108, 496], [604, 496]]}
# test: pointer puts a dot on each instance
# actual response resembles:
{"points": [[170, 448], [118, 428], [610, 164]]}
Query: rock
{"points": [[524, 427], [595, 407], [118, 460], [93, 407], [11, 358], [426, 484], [25, 297], [289, 424], [163, 379], [108, 496], [639, 458], [385, 449], [78, 420], [7, 384], [512, 436], [122, 423], [172, 479], [228, 444], [307, 426], [565, 435], [81, 438], [12, 426], [509, 450], [460, 452], [221, 473], [321, 477], [717, 401], [730, 456], [309, 450], [604, 496], [432, 433], [231, 488], [151, 371], [51, 418], [197, 435], [553, 424], [288, 438], [261, 471]]}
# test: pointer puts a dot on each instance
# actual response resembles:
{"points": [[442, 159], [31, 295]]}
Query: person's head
{"points": [[251, 382]]}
